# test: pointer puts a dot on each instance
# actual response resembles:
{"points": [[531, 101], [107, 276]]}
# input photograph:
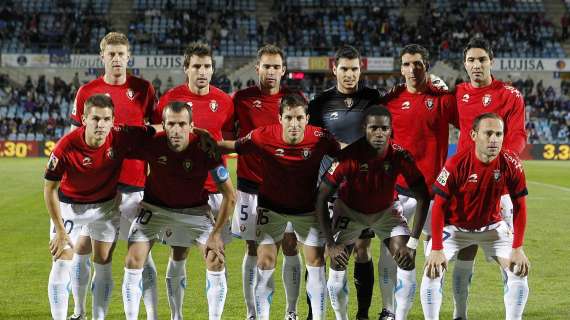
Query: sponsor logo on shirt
{"points": [[319, 133], [189, 104], [162, 160], [442, 178], [515, 161], [348, 102], [486, 100], [52, 163], [472, 178], [429, 103], [333, 167], [306, 153], [213, 105], [334, 116], [363, 167], [87, 162], [514, 91], [130, 94], [110, 154], [497, 174], [279, 152], [187, 165], [256, 104], [406, 105], [465, 98]]}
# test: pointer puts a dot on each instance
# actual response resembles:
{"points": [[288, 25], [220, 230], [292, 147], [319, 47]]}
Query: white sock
{"points": [[58, 291], [462, 273], [516, 295], [216, 290], [264, 293], [431, 294], [175, 286], [387, 275], [405, 292], [248, 273], [338, 293], [132, 292], [150, 294], [101, 287], [291, 274], [80, 275], [317, 291]]}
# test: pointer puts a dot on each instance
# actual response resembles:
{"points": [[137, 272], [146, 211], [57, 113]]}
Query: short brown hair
{"points": [[293, 100], [177, 107], [483, 116], [270, 49], [114, 38], [98, 101], [199, 49]]}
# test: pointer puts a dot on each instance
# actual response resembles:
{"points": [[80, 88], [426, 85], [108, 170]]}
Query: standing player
{"points": [[467, 210], [81, 197], [134, 100], [365, 174], [483, 94], [212, 110], [420, 113], [175, 202], [256, 107]]}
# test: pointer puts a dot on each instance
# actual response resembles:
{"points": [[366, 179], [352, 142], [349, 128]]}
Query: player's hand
{"points": [[57, 244], [405, 257], [436, 263], [337, 253], [207, 142], [519, 264], [215, 244], [438, 83]]}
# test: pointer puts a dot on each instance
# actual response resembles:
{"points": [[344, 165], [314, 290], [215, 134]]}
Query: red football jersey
{"points": [[473, 189], [253, 110], [176, 179], [366, 181], [498, 97], [289, 172], [420, 124], [213, 112], [134, 101], [90, 175]]}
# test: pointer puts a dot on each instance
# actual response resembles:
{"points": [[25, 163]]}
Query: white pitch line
{"points": [[549, 186]]}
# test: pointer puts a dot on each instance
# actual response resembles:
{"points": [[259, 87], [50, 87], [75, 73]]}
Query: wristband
{"points": [[412, 243]]}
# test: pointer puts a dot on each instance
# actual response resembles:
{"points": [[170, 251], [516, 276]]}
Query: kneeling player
{"points": [[467, 210], [88, 163], [365, 175], [175, 202]]}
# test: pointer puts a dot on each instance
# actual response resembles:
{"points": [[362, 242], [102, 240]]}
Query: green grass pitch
{"points": [[25, 259]]}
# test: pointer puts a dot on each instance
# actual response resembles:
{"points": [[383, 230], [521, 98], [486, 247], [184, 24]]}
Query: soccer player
{"points": [[134, 100], [419, 113], [212, 109], [255, 107], [484, 94], [467, 210], [176, 203], [81, 197]]}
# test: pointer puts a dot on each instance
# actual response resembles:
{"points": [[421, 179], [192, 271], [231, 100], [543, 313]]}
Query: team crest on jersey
{"points": [[87, 162], [486, 100], [213, 105], [348, 102], [406, 105], [168, 232], [110, 154], [306, 153], [497, 174], [465, 98], [387, 166], [189, 104], [52, 163], [279, 152], [130, 94], [429, 103], [162, 160], [242, 228], [363, 167], [257, 104], [187, 165], [442, 178], [333, 166]]}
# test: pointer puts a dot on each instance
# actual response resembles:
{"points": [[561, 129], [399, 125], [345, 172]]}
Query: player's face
{"points": [[347, 72], [115, 59], [270, 70], [413, 69], [489, 137], [98, 123], [177, 126], [377, 131], [293, 121], [478, 65], [200, 71]]}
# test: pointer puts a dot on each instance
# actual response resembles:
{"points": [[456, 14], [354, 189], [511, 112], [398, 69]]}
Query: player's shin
{"points": [[516, 295], [175, 286], [364, 283], [102, 287], [264, 293], [462, 274], [291, 274], [132, 292], [80, 275], [338, 293], [216, 290], [150, 294], [387, 273], [317, 291], [405, 292], [249, 272], [431, 294], [59, 280]]}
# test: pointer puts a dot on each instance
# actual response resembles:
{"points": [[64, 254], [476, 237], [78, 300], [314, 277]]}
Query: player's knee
{"points": [[266, 261], [251, 248], [467, 254], [213, 262], [178, 253], [289, 244], [362, 251], [134, 261], [83, 245], [67, 254]]}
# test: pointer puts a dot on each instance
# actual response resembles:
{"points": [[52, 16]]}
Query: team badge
{"points": [[213, 105], [387, 166], [130, 94], [465, 98], [257, 104], [110, 154], [497, 174], [161, 160], [87, 162], [242, 228], [189, 104], [279, 152], [406, 105], [187, 165], [52, 163], [364, 167], [332, 168], [442, 178], [348, 102], [168, 232], [429, 103], [486, 100], [306, 153]]}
